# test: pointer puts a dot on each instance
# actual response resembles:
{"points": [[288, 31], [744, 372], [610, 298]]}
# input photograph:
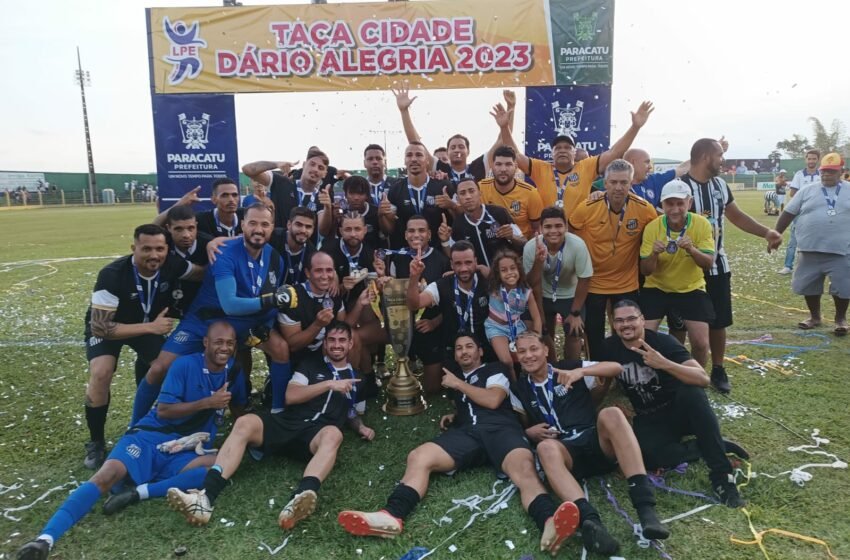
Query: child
{"points": [[510, 298]]}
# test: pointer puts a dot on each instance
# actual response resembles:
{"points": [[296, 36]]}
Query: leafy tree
{"points": [[794, 147], [832, 140]]}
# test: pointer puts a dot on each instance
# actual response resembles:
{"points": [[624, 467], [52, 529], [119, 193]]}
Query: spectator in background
{"points": [[742, 168], [803, 177], [259, 194]]}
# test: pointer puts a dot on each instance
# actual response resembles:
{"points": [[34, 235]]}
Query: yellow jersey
{"points": [[677, 272], [522, 202], [566, 190]]}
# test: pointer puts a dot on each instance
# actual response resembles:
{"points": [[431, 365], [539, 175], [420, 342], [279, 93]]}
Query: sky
{"points": [[752, 71]]}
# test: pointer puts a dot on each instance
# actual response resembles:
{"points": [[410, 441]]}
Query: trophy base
{"points": [[404, 393]]}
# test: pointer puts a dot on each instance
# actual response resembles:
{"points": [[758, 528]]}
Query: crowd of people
{"points": [[501, 251]]}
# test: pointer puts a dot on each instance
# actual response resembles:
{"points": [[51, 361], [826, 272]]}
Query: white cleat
{"points": [[194, 505], [370, 524], [300, 506]]}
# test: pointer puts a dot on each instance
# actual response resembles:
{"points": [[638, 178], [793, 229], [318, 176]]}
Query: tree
{"points": [[832, 140], [795, 147]]}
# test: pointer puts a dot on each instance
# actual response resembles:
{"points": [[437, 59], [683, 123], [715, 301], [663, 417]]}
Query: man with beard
{"points": [[304, 326], [129, 307], [517, 197], [287, 194], [186, 242], [666, 388], [566, 183], [559, 269], [462, 298], [824, 243], [415, 194], [242, 287], [458, 166], [375, 163], [294, 245], [222, 221], [482, 431], [802, 178], [712, 199], [573, 442], [611, 228], [357, 198], [428, 342], [319, 400], [489, 228], [199, 387]]}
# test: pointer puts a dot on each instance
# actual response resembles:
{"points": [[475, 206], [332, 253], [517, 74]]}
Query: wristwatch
{"points": [[575, 313]]}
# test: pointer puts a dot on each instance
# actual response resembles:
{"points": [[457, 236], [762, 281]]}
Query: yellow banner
{"points": [[337, 47]]}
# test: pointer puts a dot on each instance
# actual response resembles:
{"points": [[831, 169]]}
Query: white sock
{"points": [[142, 490], [47, 538]]}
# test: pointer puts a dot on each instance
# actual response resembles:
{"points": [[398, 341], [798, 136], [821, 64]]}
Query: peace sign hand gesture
{"points": [[651, 356]]}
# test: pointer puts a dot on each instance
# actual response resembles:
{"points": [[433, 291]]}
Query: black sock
{"points": [[308, 483], [541, 509], [640, 492], [214, 483], [586, 511], [96, 420], [140, 368], [402, 501]]}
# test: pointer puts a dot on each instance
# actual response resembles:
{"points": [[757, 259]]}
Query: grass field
{"points": [[43, 374]]}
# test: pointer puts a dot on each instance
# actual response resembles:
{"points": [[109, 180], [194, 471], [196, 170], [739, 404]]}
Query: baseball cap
{"points": [[832, 161], [564, 138], [782, 172], [675, 189]]}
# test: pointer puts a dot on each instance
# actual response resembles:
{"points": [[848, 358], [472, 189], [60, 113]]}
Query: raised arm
{"points": [[504, 118], [260, 171], [403, 102], [619, 148], [689, 372], [187, 199]]}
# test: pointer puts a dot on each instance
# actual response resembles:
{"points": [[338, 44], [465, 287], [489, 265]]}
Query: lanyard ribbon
{"points": [[546, 404], [561, 190], [557, 276], [418, 196], [327, 301], [830, 202], [508, 314], [672, 247], [146, 305], [378, 192], [301, 195], [259, 267], [353, 260], [619, 222], [296, 273], [461, 315], [351, 396], [227, 231]]}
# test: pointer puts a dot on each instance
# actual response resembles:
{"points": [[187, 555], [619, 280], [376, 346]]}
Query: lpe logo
{"points": [[184, 52]]}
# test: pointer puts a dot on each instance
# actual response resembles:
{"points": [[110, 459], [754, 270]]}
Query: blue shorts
{"points": [[493, 329], [144, 462], [188, 337]]}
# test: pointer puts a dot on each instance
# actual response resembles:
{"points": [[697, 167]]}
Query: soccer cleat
{"points": [[719, 380], [735, 449], [117, 502], [784, 270], [194, 505], [728, 493], [34, 550], [370, 524], [95, 455], [651, 526], [596, 538], [559, 527], [300, 506]]}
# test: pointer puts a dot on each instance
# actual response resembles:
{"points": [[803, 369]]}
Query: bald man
{"points": [[647, 184]]}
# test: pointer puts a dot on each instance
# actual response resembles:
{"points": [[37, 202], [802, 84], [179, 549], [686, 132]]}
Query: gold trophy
{"points": [[404, 393]]}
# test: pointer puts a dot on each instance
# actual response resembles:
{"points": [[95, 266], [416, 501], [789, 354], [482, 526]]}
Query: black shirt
{"points": [[116, 288], [436, 264], [328, 179], [422, 201], [294, 263], [285, 195], [647, 388], [482, 234], [309, 305], [451, 318], [208, 223], [474, 169], [468, 413], [185, 291], [363, 258], [374, 236], [330, 408], [572, 408]]}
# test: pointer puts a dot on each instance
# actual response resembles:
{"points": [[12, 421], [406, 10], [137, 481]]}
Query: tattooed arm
{"points": [[103, 325]]}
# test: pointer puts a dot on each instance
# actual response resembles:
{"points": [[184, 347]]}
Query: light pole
{"points": [[387, 150], [84, 79]]}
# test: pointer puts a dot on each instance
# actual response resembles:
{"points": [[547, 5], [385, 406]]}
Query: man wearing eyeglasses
{"points": [[666, 387]]}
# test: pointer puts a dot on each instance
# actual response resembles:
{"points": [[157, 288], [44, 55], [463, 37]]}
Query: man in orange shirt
{"points": [[519, 198], [566, 183], [612, 228]]}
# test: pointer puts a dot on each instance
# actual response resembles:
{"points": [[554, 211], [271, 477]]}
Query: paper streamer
{"points": [[642, 541], [800, 475], [759, 538], [8, 511], [271, 550]]}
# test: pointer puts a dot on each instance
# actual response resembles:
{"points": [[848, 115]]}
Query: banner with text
{"points": [[195, 137], [581, 112], [367, 46]]}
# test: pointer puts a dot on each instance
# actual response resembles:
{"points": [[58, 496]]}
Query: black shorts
{"points": [[588, 457], [562, 306], [428, 347], [719, 289], [283, 435], [146, 346], [473, 446], [691, 306]]}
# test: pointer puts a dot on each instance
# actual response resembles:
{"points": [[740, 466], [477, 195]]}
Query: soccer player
{"points": [[490, 228], [294, 244], [129, 307], [242, 286], [375, 164], [356, 191], [566, 183], [319, 400], [517, 197], [559, 269], [666, 388], [611, 228], [186, 242], [198, 388], [573, 442], [222, 221], [712, 199], [482, 431]]}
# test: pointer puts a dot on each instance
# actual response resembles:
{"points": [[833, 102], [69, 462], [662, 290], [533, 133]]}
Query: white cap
{"points": [[675, 189]]}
